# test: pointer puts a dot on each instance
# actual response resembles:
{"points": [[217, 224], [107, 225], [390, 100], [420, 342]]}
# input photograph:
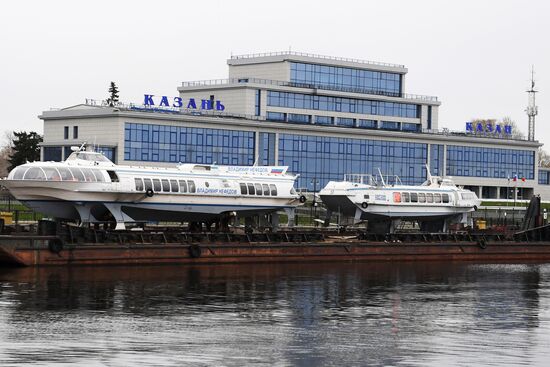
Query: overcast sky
{"points": [[475, 56]]}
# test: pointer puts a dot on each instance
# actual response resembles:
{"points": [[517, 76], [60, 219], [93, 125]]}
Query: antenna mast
{"points": [[532, 110]]}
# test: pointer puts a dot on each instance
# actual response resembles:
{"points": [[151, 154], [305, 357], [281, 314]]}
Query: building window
{"points": [[257, 102], [275, 116], [544, 177], [66, 132], [345, 121], [410, 127], [53, 154], [346, 79], [326, 158], [367, 124], [299, 119], [339, 104], [490, 162], [161, 143], [75, 132], [390, 125], [323, 120]]}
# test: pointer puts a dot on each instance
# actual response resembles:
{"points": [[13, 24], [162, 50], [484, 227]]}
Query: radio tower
{"points": [[531, 109]]}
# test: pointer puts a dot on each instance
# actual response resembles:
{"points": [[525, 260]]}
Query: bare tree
{"points": [[544, 158]]}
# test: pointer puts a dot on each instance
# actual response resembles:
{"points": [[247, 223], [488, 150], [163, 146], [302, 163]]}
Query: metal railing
{"points": [[305, 54], [232, 81]]}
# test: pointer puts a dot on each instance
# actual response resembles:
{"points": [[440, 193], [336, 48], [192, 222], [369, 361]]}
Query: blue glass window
{"points": [[329, 158], [345, 121], [410, 127], [490, 162], [297, 118], [367, 124], [275, 116], [347, 79], [267, 149], [257, 102], [163, 143], [338, 104], [53, 154], [389, 125], [544, 177], [323, 120], [436, 159]]}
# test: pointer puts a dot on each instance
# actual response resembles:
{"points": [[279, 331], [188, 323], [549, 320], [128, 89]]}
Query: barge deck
{"points": [[79, 246]]}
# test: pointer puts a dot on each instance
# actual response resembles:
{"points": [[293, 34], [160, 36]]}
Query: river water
{"points": [[428, 314]]}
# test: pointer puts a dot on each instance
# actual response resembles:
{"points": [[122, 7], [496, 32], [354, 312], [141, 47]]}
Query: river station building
{"points": [[321, 116]]}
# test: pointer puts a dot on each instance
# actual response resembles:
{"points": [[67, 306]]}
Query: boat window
{"points": [[19, 173], [98, 175], [414, 197], [174, 185], [183, 186], [366, 197], [148, 184], [52, 174], [156, 185], [421, 197], [266, 189], [112, 175], [77, 173], [405, 197], [251, 189], [244, 190], [437, 198], [206, 184], [139, 184], [165, 185], [273, 189], [66, 175], [396, 197], [88, 174], [191, 185], [429, 197], [258, 188], [35, 173], [445, 198]]}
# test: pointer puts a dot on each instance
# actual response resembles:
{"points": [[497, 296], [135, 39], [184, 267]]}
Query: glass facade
{"points": [[298, 119], [324, 120], [266, 149], [338, 104], [490, 162], [368, 124], [367, 81], [436, 159], [328, 158], [160, 143], [544, 177], [346, 121]]}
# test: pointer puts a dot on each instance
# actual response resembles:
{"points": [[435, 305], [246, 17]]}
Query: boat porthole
{"points": [[364, 205], [206, 184], [302, 199]]}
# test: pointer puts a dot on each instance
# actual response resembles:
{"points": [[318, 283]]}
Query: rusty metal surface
{"points": [[37, 253]]}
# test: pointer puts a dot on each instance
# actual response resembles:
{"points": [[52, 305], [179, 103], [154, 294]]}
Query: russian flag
{"points": [[277, 171]]}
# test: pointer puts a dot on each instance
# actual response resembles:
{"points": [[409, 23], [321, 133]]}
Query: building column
{"points": [[276, 149], [498, 192]]}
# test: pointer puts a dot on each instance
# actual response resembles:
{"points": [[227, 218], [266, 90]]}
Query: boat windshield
{"points": [[88, 156]]}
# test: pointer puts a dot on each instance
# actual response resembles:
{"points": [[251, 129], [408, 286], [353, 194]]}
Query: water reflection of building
{"points": [[314, 313]]}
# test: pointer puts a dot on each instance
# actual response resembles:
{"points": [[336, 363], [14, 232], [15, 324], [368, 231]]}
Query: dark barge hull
{"points": [[37, 251]]}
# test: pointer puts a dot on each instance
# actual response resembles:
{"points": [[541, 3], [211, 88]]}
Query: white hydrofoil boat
{"points": [[90, 188]]}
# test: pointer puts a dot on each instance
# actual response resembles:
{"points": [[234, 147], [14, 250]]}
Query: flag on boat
{"points": [[277, 171]]}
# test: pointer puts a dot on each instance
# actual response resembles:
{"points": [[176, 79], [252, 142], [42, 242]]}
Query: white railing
{"points": [[231, 81], [305, 54]]}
